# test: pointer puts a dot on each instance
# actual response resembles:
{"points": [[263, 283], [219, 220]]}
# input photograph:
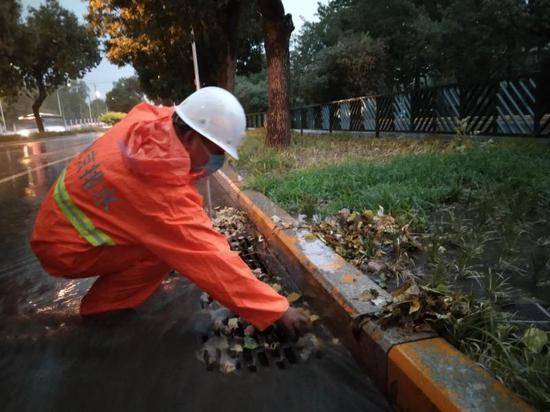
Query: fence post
{"points": [[377, 117], [494, 106], [538, 106], [542, 102], [302, 118], [330, 116], [414, 98]]}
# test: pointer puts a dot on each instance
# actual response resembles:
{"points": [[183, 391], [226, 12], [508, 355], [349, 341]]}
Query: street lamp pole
{"points": [[90, 107], [3, 118], [61, 110]]}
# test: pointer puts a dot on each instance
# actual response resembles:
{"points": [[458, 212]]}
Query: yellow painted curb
{"points": [[433, 375]]}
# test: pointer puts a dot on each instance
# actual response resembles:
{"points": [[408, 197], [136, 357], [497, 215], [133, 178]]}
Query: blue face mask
{"points": [[214, 163]]}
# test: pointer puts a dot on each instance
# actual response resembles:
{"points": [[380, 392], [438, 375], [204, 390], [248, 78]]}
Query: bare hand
{"points": [[295, 322]]}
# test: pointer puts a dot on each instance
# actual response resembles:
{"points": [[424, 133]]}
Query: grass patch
{"points": [[518, 357], [408, 177], [34, 136]]}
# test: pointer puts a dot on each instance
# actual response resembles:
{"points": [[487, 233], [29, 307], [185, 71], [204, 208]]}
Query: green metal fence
{"points": [[519, 107]]}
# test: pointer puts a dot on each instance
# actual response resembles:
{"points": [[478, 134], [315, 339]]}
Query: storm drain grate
{"points": [[230, 344]]}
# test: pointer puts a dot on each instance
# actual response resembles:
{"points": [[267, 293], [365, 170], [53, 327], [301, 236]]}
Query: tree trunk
{"points": [[37, 103], [277, 28], [226, 72]]}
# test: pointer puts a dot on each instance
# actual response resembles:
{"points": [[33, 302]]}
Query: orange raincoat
{"points": [[126, 210]]}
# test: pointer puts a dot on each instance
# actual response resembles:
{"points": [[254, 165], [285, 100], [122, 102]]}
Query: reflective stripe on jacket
{"points": [[79, 220]]}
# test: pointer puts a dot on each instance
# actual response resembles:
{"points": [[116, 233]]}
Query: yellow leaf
{"points": [[414, 306], [293, 297], [313, 318]]}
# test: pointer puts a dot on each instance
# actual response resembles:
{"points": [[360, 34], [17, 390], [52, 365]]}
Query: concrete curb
{"points": [[419, 371]]}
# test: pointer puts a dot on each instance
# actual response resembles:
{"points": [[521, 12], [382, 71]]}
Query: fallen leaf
{"points": [[229, 366], [236, 348], [250, 343], [375, 266], [344, 213], [368, 294], [233, 323], [310, 237], [414, 306], [406, 292], [276, 287], [314, 318], [293, 297], [535, 339]]}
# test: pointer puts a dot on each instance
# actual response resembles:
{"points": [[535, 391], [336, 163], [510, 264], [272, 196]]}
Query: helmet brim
{"points": [[231, 151]]}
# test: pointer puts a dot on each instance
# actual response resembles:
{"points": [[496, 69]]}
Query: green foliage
{"points": [[52, 47], [125, 94], [74, 101], [520, 359], [10, 33], [74, 98], [251, 91], [155, 38], [57, 48], [408, 178], [112, 117], [99, 106], [366, 46], [486, 39], [354, 66]]}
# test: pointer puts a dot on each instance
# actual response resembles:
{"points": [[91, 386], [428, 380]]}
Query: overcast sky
{"points": [[103, 76]]}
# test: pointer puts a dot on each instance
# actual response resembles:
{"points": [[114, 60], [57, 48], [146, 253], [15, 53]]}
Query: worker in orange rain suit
{"points": [[126, 210]]}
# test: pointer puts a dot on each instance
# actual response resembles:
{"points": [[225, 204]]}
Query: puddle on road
{"points": [[18, 157]]}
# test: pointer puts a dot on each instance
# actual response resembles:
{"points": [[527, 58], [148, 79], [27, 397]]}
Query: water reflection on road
{"points": [[51, 360]]}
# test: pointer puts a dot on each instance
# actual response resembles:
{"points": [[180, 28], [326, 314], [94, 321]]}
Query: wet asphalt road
{"points": [[50, 360]]}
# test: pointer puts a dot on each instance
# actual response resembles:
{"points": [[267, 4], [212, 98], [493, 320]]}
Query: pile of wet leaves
{"points": [[371, 240], [415, 307], [230, 342]]}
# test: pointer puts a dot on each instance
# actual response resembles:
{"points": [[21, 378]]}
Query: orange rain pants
{"points": [[126, 210]]}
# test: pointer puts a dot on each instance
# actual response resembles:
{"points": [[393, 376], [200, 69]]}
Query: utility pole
{"points": [[97, 96], [3, 118], [195, 62], [90, 107], [61, 110], [198, 86]]}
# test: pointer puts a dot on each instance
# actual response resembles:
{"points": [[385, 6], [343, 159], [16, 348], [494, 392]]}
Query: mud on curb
{"points": [[418, 371]]}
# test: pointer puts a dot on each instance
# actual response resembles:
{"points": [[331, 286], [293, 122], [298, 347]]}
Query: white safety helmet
{"points": [[217, 115]]}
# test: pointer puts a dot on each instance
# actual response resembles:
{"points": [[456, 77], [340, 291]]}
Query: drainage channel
{"points": [[231, 343]]}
